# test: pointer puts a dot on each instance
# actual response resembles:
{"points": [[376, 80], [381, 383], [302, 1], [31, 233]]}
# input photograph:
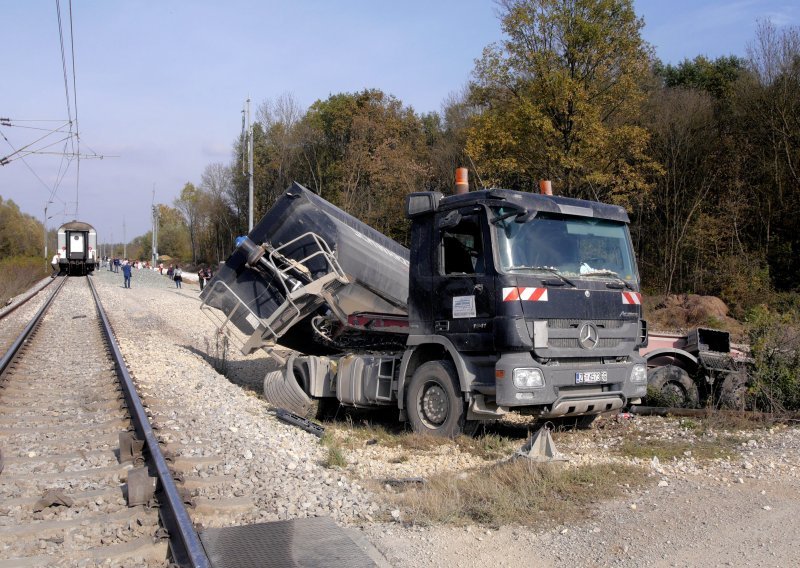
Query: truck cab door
{"points": [[463, 281]]}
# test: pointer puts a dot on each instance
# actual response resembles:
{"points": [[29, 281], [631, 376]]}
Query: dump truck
{"points": [[697, 369], [506, 300]]}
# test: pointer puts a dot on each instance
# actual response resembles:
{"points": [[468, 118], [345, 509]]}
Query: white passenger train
{"points": [[77, 245]]}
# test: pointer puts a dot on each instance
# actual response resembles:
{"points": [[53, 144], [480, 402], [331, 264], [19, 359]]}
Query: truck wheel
{"points": [[287, 394], [434, 401], [673, 387], [733, 393]]}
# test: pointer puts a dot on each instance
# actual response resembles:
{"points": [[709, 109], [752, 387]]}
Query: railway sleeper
{"points": [[135, 552]]}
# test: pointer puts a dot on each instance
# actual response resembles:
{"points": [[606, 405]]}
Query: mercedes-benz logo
{"points": [[588, 336]]}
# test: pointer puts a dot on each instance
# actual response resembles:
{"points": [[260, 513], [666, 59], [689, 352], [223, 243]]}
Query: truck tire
{"points": [[287, 394], [672, 386], [434, 402], [733, 392]]}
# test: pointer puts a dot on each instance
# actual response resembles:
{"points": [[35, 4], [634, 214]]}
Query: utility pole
{"points": [[249, 167], [155, 229], [44, 223], [124, 240]]}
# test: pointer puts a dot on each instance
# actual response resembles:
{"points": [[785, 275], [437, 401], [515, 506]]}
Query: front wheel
{"points": [[434, 402], [672, 386]]}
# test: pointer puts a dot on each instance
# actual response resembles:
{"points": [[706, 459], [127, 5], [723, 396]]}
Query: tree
{"points": [[559, 98], [216, 183], [173, 235], [20, 233], [365, 151], [189, 205], [768, 108], [716, 77]]}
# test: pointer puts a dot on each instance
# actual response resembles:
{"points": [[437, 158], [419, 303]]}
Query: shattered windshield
{"points": [[568, 246]]}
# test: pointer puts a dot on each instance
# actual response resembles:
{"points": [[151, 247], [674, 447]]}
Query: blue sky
{"points": [[161, 84]]}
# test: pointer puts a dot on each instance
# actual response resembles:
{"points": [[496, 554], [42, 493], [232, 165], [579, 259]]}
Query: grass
{"points": [[487, 446], [517, 492], [335, 456], [666, 450]]}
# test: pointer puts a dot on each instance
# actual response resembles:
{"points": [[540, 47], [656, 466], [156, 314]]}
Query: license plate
{"points": [[584, 377]]}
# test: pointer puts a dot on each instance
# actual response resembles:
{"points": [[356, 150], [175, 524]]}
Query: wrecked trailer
{"points": [[308, 276]]}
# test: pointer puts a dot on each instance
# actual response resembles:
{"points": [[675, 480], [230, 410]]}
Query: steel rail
{"points": [[8, 309], [185, 545], [26, 333]]}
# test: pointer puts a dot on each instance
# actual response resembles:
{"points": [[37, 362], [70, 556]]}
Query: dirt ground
{"points": [[738, 510]]}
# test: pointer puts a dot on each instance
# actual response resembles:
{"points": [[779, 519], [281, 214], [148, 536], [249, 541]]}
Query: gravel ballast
{"points": [[695, 512]]}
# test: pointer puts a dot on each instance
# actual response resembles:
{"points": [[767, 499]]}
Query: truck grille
{"points": [[572, 342], [560, 323]]}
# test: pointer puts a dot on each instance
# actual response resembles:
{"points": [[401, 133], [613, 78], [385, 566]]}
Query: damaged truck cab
{"points": [[506, 300], [533, 298]]}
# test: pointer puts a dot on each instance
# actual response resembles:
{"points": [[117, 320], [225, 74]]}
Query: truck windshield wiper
{"points": [[545, 269], [610, 274]]}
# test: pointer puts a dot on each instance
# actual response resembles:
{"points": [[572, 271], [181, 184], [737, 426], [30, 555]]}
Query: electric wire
{"points": [[22, 159], [75, 99]]}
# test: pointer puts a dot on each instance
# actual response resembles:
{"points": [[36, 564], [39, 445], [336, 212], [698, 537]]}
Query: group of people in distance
{"points": [[173, 271]]}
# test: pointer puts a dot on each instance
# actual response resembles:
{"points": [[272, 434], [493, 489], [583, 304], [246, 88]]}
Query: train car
{"points": [[77, 245]]}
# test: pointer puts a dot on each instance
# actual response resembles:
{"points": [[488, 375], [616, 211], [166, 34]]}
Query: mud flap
{"points": [[281, 389]]}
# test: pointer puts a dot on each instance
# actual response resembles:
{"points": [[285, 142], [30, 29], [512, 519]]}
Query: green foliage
{"points": [[18, 273], [716, 77], [775, 348], [20, 233], [559, 98], [173, 235]]}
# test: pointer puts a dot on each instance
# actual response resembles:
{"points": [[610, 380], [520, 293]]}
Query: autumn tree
{"points": [[20, 234], [173, 235], [217, 188], [188, 203], [559, 96], [365, 152]]}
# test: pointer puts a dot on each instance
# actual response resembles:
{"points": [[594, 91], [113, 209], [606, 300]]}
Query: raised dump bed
{"points": [[312, 278]]}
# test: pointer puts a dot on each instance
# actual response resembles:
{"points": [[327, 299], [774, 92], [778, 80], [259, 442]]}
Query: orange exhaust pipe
{"points": [[545, 187], [462, 181]]}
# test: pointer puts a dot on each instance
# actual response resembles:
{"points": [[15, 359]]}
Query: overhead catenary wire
{"points": [[75, 99], [22, 159]]}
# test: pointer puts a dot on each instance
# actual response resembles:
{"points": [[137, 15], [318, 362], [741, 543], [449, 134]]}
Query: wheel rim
{"points": [[433, 405], [675, 394]]}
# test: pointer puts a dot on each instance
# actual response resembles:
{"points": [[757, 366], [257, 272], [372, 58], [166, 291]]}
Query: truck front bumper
{"points": [[566, 389]]}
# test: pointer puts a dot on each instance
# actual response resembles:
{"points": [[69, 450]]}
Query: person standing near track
{"points": [[177, 276], [54, 262], [126, 272]]}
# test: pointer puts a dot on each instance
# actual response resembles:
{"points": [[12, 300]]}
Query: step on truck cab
{"points": [[505, 301]]}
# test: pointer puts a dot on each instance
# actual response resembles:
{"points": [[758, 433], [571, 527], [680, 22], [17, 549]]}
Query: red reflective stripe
{"points": [[525, 294], [631, 298], [538, 293]]}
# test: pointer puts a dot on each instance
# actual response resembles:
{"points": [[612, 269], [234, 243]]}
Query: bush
{"points": [[18, 273], [775, 348]]}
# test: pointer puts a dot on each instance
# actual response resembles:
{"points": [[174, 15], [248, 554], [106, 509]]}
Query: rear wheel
{"points": [[434, 402], [733, 393], [672, 386]]}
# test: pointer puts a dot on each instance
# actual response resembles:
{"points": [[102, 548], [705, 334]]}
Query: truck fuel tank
{"points": [[307, 259]]}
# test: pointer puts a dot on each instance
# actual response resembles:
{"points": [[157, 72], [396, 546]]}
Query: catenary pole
{"points": [[249, 167]]}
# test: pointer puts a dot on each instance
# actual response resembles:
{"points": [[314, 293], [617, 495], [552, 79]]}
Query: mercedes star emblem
{"points": [[588, 336]]}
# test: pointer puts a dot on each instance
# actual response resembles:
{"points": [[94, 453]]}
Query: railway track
{"points": [[67, 497], [16, 315]]}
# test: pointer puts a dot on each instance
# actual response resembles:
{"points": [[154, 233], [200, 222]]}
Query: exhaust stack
{"points": [[462, 181], [545, 187]]}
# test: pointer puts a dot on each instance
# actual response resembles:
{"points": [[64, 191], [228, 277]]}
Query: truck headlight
{"points": [[639, 374], [528, 378]]}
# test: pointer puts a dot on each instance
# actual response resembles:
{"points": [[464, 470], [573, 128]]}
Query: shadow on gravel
{"points": [[249, 374]]}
